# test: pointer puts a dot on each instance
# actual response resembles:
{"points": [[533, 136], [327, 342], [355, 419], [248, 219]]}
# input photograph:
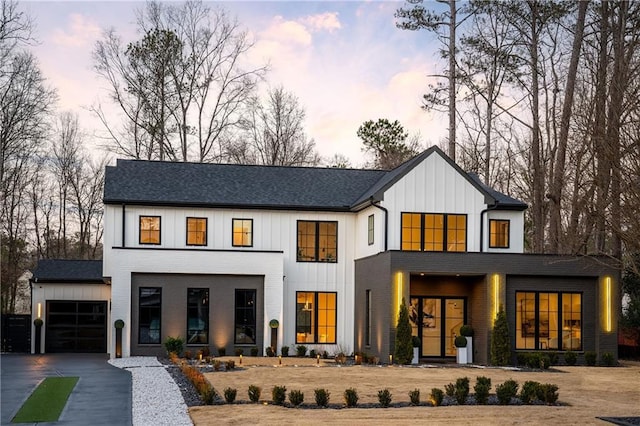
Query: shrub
{"points": [[239, 351], [230, 395], [188, 355], [174, 344], [481, 389], [285, 350], [450, 390], [547, 393], [351, 397], [296, 397], [254, 393], [461, 390], [607, 359], [436, 397], [590, 358], [230, 365], [209, 396], [403, 353], [500, 343], [466, 330], [206, 353], [384, 397], [553, 358], [414, 396], [415, 341], [217, 365], [570, 358], [222, 351], [322, 397], [529, 391], [254, 351], [460, 342], [200, 383], [301, 350], [506, 391], [279, 394], [312, 353], [269, 351]]}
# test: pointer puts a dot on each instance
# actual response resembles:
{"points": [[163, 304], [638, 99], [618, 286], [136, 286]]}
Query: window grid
{"points": [[149, 230], [426, 232], [196, 231], [197, 316], [242, 233], [317, 241], [498, 233], [316, 317], [149, 315], [411, 226], [245, 317]]}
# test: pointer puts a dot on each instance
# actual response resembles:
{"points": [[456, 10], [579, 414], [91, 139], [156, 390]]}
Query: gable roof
{"points": [[63, 270], [266, 187]]}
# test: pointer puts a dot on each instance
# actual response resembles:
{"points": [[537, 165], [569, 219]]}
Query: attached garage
{"points": [[72, 300]]}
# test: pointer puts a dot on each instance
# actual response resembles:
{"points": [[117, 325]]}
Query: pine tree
{"points": [[404, 346], [500, 340]]}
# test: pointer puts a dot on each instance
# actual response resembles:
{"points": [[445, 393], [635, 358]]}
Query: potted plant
{"points": [[415, 342], [461, 343], [467, 331]]}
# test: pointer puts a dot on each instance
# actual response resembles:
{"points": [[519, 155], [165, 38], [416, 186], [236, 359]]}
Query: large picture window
{"points": [[316, 314], [196, 231], [498, 233], [550, 320], [149, 315], [245, 317], [242, 232], [149, 230], [317, 241], [434, 232], [197, 315]]}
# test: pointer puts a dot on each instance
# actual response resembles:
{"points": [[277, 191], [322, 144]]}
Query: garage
{"points": [[76, 326]]}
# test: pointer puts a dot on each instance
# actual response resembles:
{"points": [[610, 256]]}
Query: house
{"points": [[215, 253]]}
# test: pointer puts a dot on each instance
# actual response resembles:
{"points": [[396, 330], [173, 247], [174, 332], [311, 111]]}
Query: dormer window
{"points": [[434, 232]]}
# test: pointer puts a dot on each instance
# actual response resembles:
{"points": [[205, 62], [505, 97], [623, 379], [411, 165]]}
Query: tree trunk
{"points": [[452, 80]]}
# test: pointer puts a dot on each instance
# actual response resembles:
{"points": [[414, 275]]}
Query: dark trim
{"points": [[386, 223], [207, 318], [317, 241], [371, 231], [143, 203], [74, 281], [233, 220], [123, 224], [206, 231], [508, 233], [315, 319], [482, 213], [140, 230], [139, 313], [255, 316], [197, 249]]}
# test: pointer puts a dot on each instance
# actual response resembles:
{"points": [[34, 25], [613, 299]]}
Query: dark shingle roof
{"points": [[62, 270], [269, 187]]}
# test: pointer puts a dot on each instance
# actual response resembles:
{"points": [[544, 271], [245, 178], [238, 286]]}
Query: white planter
{"points": [[469, 350], [416, 356], [461, 357]]}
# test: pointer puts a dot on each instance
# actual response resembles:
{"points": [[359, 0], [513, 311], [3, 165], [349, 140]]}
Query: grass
{"points": [[46, 402]]}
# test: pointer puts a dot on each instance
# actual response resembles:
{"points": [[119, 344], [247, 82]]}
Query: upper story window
{"points": [[196, 231], [370, 229], [149, 229], [242, 232], [317, 241], [434, 232], [498, 233]]}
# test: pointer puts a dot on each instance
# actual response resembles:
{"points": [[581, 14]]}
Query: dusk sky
{"points": [[345, 61]]}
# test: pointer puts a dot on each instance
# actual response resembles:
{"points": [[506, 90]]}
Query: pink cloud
{"points": [[80, 31]]}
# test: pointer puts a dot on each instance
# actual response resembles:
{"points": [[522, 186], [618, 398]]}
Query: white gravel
{"points": [[156, 399]]}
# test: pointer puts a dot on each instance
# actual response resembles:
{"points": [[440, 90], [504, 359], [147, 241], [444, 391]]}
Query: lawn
{"points": [[47, 401], [585, 393]]}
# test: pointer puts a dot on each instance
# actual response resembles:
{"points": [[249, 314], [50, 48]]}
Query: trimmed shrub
{"points": [[254, 351], [174, 344], [461, 390], [570, 358], [436, 397], [322, 397], [384, 398], [312, 353], [506, 391], [403, 352], [254, 393], [414, 396], [230, 395], [279, 394], [269, 351], [217, 365], [553, 358], [500, 340], [547, 393], [529, 391], [209, 396], [590, 358], [239, 351], [607, 359], [460, 342], [415, 341], [481, 389], [284, 351], [351, 397], [301, 350], [466, 330], [296, 397]]}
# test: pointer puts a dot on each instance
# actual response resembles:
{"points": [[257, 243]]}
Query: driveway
{"points": [[102, 395]]}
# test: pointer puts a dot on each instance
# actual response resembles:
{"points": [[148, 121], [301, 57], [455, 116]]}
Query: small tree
{"points": [[404, 345], [500, 343]]}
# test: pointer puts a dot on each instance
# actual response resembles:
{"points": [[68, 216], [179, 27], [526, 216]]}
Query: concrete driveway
{"points": [[102, 395]]}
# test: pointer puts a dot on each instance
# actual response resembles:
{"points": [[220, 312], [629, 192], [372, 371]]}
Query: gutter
{"points": [[482, 213], [386, 221]]}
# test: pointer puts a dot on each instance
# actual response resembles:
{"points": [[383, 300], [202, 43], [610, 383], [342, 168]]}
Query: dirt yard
{"points": [[585, 393]]}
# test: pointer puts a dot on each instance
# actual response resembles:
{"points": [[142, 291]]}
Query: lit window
{"points": [[242, 232], [245, 320], [499, 233], [434, 232], [317, 241], [149, 314], [370, 229], [149, 229], [197, 315], [196, 231], [316, 315]]}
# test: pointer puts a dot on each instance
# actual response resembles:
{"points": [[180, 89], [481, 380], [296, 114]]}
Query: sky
{"points": [[345, 61]]}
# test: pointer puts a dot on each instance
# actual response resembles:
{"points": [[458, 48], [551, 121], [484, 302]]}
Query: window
{"points": [[317, 241], [370, 229], [549, 321], [316, 317], [245, 321], [498, 233], [149, 229], [242, 232], [434, 232], [197, 315], [149, 312], [196, 231]]}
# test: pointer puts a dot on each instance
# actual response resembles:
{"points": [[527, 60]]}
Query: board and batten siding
{"points": [[516, 230]]}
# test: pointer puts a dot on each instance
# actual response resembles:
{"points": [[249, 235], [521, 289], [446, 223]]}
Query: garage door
{"points": [[76, 326]]}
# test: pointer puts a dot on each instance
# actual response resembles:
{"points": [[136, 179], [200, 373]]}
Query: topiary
{"points": [[460, 342], [500, 340], [466, 330], [404, 347]]}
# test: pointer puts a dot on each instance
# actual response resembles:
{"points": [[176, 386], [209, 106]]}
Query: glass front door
{"points": [[437, 320]]}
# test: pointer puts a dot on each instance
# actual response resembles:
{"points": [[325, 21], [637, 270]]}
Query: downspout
{"points": [[492, 207], [123, 214], [386, 221]]}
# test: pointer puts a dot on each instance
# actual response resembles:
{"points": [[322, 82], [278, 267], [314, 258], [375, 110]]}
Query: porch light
{"points": [[607, 304]]}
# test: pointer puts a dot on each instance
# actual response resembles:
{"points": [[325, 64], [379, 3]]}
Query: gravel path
{"points": [[156, 398]]}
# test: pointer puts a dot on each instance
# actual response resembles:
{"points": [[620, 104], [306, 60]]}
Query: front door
{"points": [[437, 321]]}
